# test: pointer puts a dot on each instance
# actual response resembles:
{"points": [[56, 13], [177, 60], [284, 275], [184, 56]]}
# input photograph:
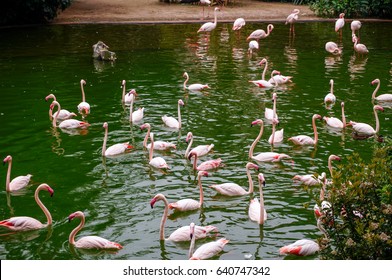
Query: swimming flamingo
{"points": [[158, 145], [23, 223], [157, 162], [91, 241], [263, 83], [276, 135], [180, 234], [360, 49], [171, 121], [193, 87], [306, 140], [189, 204], [270, 114], [333, 48], [253, 45], [83, 107], [260, 33], [233, 189], [355, 26], [17, 183], [330, 97], [335, 122], [135, 116], [308, 179], [339, 23], [278, 79], [292, 18], [115, 149], [69, 123], [207, 250], [64, 114], [363, 129], [127, 98], [200, 150], [381, 97], [238, 23], [256, 211], [330, 168], [209, 26], [206, 165]]}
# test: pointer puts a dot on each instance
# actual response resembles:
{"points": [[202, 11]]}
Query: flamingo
{"points": [[158, 145], [233, 189], [135, 116], [360, 49], [276, 135], [257, 212], [339, 23], [292, 18], [171, 121], [260, 33], [333, 48], [91, 241], [253, 45], [238, 23], [127, 98], [116, 149], [69, 123], [64, 114], [205, 3], [17, 183], [355, 26], [207, 250], [23, 223], [335, 122], [83, 107], [308, 179], [307, 140], [263, 83], [270, 114], [330, 97], [193, 87], [330, 168], [381, 97], [182, 233], [206, 165], [279, 79], [200, 150], [363, 129], [157, 162], [189, 204], [209, 26]]}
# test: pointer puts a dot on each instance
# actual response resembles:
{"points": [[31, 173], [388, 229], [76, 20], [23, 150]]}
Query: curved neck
{"points": [[105, 138], [264, 71], [201, 198], [250, 181], [54, 121], [269, 29], [73, 233], [315, 130], [321, 228], [377, 120], [42, 206], [255, 142], [163, 220], [146, 137], [82, 88], [8, 178], [179, 115], [189, 148], [375, 91], [186, 80], [262, 218]]}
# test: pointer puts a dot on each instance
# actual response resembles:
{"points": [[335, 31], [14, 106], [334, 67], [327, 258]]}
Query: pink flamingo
{"points": [[308, 179], [189, 204], [233, 189], [23, 223], [134, 116], [193, 87], [292, 18], [158, 145], [278, 79], [381, 97], [200, 150], [91, 241], [276, 135], [335, 122], [69, 123], [304, 139], [257, 212], [333, 48], [339, 23], [209, 26], [206, 165], [263, 83], [64, 114], [180, 234], [270, 114], [363, 129], [83, 107], [171, 121], [17, 183], [260, 33], [253, 45], [127, 98], [207, 250], [360, 49], [116, 149], [330, 97], [157, 162], [238, 24], [355, 26]]}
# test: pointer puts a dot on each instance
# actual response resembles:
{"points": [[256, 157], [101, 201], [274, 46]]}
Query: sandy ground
{"points": [[150, 11]]}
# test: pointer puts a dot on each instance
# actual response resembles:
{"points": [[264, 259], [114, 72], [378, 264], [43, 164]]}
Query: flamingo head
{"points": [[75, 215], [50, 96], [261, 179], [379, 108], [54, 103], [376, 81], [144, 126], [251, 165], [185, 75], [264, 60], [258, 121], [342, 104], [341, 15], [50, 190], [202, 173], [270, 27], [155, 199], [7, 159], [188, 136], [317, 116], [334, 157], [123, 83], [105, 125], [296, 178], [217, 9], [82, 82], [180, 102]]}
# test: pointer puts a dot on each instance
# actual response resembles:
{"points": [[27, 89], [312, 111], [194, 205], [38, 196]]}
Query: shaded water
{"points": [[115, 193]]}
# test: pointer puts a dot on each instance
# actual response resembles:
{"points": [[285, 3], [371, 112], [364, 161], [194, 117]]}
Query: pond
{"points": [[115, 193]]}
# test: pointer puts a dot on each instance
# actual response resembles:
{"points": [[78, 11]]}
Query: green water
{"points": [[115, 194]]}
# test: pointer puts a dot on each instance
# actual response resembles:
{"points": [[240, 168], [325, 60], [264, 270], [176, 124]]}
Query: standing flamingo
{"points": [[91, 241], [207, 250], [304, 139], [335, 122], [189, 204], [200, 150], [158, 145], [355, 26], [157, 162], [205, 3], [64, 114], [292, 18], [263, 83], [69, 123], [206, 165], [233, 189], [339, 23], [333, 48], [257, 212], [330, 97], [360, 49], [83, 107], [238, 24], [209, 26], [23, 223], [116, 149], [270, 114], [180, 234], [363, 129], [17, 183], [171, 121], [381, 97], [193, 87], [260, 33]]}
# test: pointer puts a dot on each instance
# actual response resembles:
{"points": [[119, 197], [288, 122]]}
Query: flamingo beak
{"points": [[152, 202]]}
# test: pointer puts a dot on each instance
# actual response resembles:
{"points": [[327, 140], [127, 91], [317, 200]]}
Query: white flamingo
{"points": [[381, 97], [157, 162], [256, 211], [263, 83], [209, 26], [171, 121], [335, 122], [83, 107], [330, 97], [206, 165], [193, 87], [135, 116], [116, 149], [180, 234], [355, 26], [63, 115], [270, 114], [333, 48], [260, 33], [304, 139], [276, 135], [158, 145], [17, 183], [363, 129], [69, 123], [360, 49], [200, 150], [278, 79], [253, 46], [308, 179], [292, 18], [127, 98], [238, 23], [339, 23]]}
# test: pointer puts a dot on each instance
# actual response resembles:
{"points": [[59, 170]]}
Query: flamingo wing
{"points": [[185, 205], [197, 87], [96, 242], [302, 140], [229, 189], [118, 149], [262, 83], [182, 233], [254, 211], [21, 223], [210, 164], [162, 145], [20, 182], [207, 27], [303, 247], [202, 150], [333, 122], [170, 122], [158, 162], [209, 249], [73, 124], [363, 129]]}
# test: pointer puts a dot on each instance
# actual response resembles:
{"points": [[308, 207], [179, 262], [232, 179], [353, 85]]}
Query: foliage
{"points": [[359, 222], [30, 11]]}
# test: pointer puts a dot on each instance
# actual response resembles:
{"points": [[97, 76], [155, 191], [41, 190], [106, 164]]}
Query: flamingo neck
{"points": [[264, 71], [179, 115], [186, 80], [201, 199], [131, 109], [331, 88], [375, 91], [54, 121], [146, 137], [273, 133], [315, 131], [105, 138], [73, 233], [330, 167], [195, 162], [215, 18], [323, 189], [42, 206], [377, 121], [163, 220], [255, 142], [192, 246], [8, 178], [123, 92], [262, 217], [269, 29], [151, 148], [321, 228], [250, 181], [343, 118], [83, 96], [189, 147]]}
